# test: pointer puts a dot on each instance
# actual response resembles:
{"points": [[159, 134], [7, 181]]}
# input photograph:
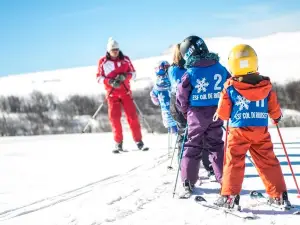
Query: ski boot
{"points": [[188, 190], [229, 202], [118, 147], [211, 175], [282, 201], [141, 146]]}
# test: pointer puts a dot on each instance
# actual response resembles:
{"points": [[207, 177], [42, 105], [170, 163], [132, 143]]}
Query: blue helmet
{"points": [[162, 68]]}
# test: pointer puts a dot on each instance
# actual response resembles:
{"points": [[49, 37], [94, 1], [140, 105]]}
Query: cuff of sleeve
{"points": [[100, 80], [133, 75]]}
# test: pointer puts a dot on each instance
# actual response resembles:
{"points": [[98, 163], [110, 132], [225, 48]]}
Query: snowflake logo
{"points": [[242, 102], [161, 97], [201, 85]]}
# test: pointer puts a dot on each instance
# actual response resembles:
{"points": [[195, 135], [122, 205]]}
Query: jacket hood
{"points": [[253, 87]]}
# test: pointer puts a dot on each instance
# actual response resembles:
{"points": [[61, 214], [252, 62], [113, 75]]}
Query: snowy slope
{"points": [[290, 118], [75, 179], [278, 58]]}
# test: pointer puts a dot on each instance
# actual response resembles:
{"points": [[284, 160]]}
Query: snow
{"points": [[75, 179], [278, 58], [291, 112]]}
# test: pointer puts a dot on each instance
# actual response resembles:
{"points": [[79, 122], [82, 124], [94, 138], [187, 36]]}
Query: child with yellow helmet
{"points": [[247, 101]]}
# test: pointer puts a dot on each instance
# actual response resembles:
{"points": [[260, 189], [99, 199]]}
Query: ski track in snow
{"points": [[143, 195], [134, 197], [51, 201], [103, 183], [47, 202]]}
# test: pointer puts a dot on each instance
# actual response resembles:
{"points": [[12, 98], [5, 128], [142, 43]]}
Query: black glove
{"points": [[121, 77], [114, 83], [276, 121]]}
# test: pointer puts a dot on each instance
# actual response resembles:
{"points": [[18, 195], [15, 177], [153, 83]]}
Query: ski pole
{"points": [[181, 153], [169, 141], [93, 117], [170, 167], [95, 114], [98, 110], [290, 165], [225, 145], [140, 112]]}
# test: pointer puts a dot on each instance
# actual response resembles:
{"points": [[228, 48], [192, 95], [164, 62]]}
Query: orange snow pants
{"points": [[115, 104], [258, 141]]}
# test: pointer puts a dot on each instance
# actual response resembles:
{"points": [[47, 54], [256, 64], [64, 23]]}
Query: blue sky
{"points": [[39, 35]]}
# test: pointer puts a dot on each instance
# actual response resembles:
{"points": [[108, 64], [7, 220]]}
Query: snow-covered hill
{"points": [[278, 54], [76, 180]]}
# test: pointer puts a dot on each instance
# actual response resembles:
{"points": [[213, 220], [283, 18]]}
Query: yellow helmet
{"points": [[242, 60]]}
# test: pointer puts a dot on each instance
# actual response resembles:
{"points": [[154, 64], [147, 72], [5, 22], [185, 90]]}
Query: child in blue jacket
{"points": [[176, 72], [160, 95]]}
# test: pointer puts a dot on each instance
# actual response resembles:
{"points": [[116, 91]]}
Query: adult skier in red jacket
{"points": [[115, 71]]}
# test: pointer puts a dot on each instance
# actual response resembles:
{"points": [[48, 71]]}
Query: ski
{"points": [[209, 179], [262, 200], [118, 151], [235, 212], [145, 149]]}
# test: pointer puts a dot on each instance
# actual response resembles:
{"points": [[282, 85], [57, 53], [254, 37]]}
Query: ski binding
{"points": [[262, 200], [235, 212]]}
